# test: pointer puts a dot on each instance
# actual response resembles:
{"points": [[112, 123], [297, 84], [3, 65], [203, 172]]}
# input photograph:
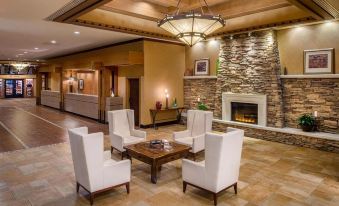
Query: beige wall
{"points": [[292, 42], [164, 66], [206, 49], [54, 81]]}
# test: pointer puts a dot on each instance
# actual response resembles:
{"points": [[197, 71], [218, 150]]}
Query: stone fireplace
{"points": [[245, 108]]}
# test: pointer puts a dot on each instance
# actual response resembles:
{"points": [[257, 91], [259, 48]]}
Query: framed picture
{"points": [[202, 67], [81, 84], [320, 61]]}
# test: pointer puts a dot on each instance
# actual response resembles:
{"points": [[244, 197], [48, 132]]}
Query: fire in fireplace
{"points": [[244, 112]]}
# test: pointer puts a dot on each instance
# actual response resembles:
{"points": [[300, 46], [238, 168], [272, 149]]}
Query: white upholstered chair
{"points": [[94, 169], [220, 170], [198, 123], [122, 131]]}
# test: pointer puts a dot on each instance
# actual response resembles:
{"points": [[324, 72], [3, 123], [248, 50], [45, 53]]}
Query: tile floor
{"points": [[270, 174]]}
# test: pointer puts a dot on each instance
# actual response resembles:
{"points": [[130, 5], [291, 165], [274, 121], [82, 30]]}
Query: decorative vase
{"points": [[158, 105], [307, 128]]}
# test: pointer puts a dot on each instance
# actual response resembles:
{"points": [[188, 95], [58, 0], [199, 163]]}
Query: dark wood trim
{"points": [[314, 9], [215, 195], [145, 126], [92, 194], [79, 10], [264, 26]]}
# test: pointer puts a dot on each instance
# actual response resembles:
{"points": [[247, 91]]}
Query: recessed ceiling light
{"points": [[20, 54], [25, 52], [36, 48], [77, 32], [37, 60], [53, 42]]}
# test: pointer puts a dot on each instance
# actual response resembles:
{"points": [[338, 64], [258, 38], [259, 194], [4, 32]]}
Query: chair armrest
{"points": [[116, 173], [193, 172], [198, 143], [181, 134], [107, 155], [138, 133], [117, 141]]}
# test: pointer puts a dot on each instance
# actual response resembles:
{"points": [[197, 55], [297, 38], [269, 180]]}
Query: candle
{"points": [[198, 99], [315, 114]]}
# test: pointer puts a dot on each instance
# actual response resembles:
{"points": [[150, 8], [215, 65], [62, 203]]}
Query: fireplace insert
{"points": [[244, 112]]}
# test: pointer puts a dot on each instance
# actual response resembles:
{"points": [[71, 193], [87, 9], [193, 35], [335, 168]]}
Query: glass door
{"points": [[14, 88]]}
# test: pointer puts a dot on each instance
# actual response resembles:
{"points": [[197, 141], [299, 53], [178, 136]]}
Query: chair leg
{"points": [[127, 187], [184, 185], [122, 155], [235, 188], [215, 198], [194, 157], [78, 187], [91, 198], [111, 150]]}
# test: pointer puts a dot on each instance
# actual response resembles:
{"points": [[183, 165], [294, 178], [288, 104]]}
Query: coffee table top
{"points": [[143, 148]]}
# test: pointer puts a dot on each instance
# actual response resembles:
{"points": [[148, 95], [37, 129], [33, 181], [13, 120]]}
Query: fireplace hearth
{"points": [[244, 112]]}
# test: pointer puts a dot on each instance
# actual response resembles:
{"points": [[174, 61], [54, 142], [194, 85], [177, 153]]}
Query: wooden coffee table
{"points": [[156, 156]]}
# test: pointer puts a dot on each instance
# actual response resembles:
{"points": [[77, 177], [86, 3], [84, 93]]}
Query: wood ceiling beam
{"points": [[68, 15], [312, 8]]}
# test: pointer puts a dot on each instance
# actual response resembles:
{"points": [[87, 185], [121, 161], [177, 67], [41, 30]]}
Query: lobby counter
{"points": [[82, 104], [50, 98]]}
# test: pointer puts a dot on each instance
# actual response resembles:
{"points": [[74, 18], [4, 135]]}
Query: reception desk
{"points": [[82, 104], [113, 103], [50, 98]]}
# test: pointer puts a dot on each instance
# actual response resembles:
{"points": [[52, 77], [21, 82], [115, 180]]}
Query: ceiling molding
{"points": [[99, 25], [318, 11], [264, 26], [75, 9]]}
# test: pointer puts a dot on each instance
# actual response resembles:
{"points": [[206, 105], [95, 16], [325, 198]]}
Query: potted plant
{"points": [[306, 122], [202, 106]]}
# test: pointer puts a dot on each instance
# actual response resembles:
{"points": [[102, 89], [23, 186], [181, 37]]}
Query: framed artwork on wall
{"points": [[319, 61], [81, 84], [202, 67]]}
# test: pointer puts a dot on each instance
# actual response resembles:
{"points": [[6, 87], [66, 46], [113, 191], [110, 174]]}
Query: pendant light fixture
{"points": [[191, 27]]}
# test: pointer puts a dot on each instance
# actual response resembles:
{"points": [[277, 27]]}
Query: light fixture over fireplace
{"points": [[191, 27]]}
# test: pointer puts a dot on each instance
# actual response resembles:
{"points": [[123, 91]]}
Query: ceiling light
{"points": [[25, 52], [191, 27], [36, 48], [20, 54], [19, 65], [77, 32], [53, 42], [37, 60]]}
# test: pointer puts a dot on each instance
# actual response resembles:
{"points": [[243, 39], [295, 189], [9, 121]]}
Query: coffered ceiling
{"points": [[27, 28], [140, 16]]}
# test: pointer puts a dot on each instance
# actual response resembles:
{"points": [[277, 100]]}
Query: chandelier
{"points": [[191, 27], [20, 65]]}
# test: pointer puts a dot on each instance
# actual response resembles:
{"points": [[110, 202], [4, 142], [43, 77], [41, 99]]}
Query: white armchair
{"points": [[94, 169], [220, 170], [122, 131], [198, 123]]}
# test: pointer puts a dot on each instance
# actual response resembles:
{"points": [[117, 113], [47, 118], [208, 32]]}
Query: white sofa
{"points": [[94, 169], [220, 170], [122, 131], [198, 123]]}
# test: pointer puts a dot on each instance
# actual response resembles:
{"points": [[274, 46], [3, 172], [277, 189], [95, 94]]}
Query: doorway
{"points": [[134, 97]]}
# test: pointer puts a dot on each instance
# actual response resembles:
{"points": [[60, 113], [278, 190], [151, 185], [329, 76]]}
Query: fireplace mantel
{"points": [[259, 99]]}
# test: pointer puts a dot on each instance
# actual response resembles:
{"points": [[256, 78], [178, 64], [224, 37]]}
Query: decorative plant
{"points": [[202, 106], [307, 122]]}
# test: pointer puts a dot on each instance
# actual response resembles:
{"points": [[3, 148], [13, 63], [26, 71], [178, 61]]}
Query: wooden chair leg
{"points": [[194, 157], [111, 150], [215, 198], [127, 187], [235, 188], [91, 198], [122, 155], [184, 185], [78, 187]]}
